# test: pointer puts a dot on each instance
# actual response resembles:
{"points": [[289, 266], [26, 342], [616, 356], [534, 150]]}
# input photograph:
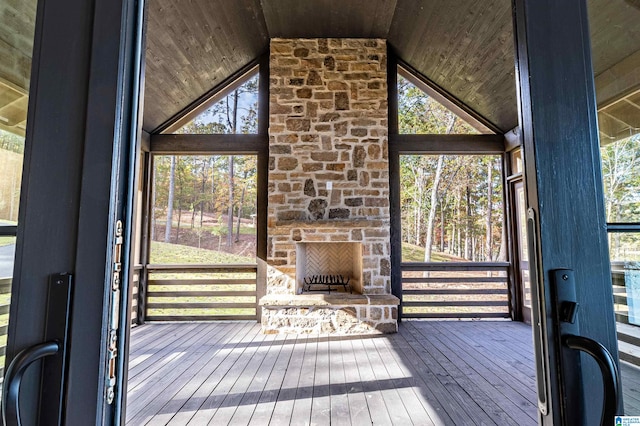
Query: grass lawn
{"points": [[166, 253], [6, 241], [413, 253]]}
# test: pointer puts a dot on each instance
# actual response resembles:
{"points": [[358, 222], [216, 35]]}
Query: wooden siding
{"points": [[431, 372]]}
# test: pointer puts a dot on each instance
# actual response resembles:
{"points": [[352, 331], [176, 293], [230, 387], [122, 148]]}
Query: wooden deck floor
{"points": [[431, 372]]}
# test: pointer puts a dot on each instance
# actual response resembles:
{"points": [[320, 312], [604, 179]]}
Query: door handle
{"points": [[54, 349], [610, 375], [13, 379]]}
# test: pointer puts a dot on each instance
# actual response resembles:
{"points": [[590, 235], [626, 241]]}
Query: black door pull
{"points": [[610, 376], [13, 378]]}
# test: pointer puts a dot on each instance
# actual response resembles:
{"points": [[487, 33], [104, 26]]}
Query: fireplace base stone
{"points": [[339, 313]]}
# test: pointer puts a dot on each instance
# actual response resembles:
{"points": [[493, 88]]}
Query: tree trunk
{"points": [[432, 210], [467, 234], [488, 238], [240, 213], [153, 206], [230, 208], [434, 199], [234, 122], [441, 227], [172, 181], [179, 217], [502, 254]]}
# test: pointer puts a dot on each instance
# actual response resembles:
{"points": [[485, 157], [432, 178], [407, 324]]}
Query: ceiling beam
{"points": [[196, 144], [447, 144]]}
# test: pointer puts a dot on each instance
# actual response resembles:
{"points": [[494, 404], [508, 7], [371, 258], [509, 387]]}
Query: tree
{"points": [[465, 190], [434, 199], [172, 180]]}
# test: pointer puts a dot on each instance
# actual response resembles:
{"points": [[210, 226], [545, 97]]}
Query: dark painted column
{"points": [[564, 192]]}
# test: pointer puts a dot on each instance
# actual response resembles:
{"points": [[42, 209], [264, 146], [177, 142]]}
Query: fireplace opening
{"points": [[329, 267]]}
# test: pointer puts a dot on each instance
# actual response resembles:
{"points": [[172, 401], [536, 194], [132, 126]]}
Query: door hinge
{"points": [[114, 314]]}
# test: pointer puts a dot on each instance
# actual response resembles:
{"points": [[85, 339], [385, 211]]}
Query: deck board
{"points": [[430, 373]]}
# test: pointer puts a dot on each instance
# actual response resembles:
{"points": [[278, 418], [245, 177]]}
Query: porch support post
{"points": [[564, 190]]}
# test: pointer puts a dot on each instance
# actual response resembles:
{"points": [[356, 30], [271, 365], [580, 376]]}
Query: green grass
{"points": [[6, 241], [413, 253], [166, 253]]}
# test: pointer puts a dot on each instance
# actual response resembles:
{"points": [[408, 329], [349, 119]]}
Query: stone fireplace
{"points": [[328, 186]]}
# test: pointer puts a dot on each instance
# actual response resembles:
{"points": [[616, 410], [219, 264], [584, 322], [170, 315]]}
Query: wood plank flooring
{"points": [[430, 373]]}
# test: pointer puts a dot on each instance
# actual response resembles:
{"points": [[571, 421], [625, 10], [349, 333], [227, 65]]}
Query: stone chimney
{"points": [[328, 158]]}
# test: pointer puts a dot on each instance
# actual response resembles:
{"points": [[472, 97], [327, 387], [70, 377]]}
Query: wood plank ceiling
{"points": [[465, 47]]}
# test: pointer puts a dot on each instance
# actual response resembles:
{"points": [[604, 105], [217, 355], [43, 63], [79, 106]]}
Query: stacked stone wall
{"points": [[328, 154]]}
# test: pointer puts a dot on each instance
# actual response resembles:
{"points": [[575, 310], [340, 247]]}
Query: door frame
{"points": [[80, 106]]}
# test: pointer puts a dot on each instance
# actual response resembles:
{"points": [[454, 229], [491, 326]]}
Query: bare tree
{"points": [[434, 198], [172, 181], [489, 223]]}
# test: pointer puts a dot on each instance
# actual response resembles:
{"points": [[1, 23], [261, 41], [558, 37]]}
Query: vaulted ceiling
{"points": [[465, 47]]}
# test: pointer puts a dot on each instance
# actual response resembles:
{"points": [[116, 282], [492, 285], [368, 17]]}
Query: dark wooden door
{"points": [[76, 197], [568, 253]]}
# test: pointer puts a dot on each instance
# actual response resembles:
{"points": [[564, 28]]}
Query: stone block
{"points": [[324, 156], [341, 101], [279, 149], [298, 124], [301, 52], [304, 93], [339, 213], [287, 163], [317, 209], [314, 79], [312, 167]]}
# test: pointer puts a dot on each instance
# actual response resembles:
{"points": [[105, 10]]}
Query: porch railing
{"points": [[5, 301], [620, 292], [455, 290], [200, 292]]}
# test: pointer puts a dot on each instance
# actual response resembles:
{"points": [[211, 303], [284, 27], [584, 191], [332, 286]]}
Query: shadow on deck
{"points": [[431, 372]]}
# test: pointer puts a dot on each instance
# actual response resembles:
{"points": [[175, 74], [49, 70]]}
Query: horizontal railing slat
{"points": [[200, 293], [455, 291], [184, 282], [4, 309], [250, 267], [454, 266], [412, 303], [456, 315], [200, 317], [454, 279], [199, 305]]}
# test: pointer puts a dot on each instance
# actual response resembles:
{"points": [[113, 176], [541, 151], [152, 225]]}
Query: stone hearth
{"points": [[328, 181]]}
